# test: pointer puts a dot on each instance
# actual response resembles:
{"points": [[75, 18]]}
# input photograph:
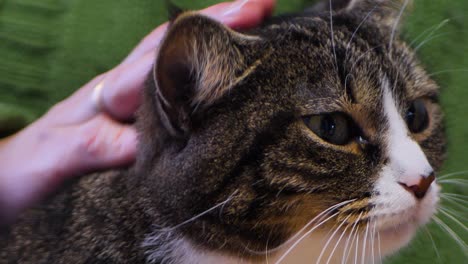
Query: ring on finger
{"points": [[96, 97]]}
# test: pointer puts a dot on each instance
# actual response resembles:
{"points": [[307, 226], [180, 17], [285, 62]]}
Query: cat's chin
{"points": [[394, 238]]}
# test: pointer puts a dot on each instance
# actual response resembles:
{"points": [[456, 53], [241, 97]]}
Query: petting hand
{"points": [[88, 131]]}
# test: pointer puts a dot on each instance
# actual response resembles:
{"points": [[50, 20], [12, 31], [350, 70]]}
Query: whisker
{"points": [[365, 243], [441, 177], [165, 229], [345, 257], [453, 198], [448, 71], [429, 39], [395, 25], [373, 241], [434, 29], [356, 253], [329, 240], [317, 218], [456, 195], [303, 236], [455, 237], [454, 181], [433, 244], [454, 213], [332, 35], [455, 201], [337, 243], [453, 219], [380, 248], [357, 29]]}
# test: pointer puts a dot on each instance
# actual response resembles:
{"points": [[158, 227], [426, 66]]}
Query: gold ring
{"points": [[96, 96]]}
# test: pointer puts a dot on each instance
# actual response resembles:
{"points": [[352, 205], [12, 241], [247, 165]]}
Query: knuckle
{"points": [[91, 142]]}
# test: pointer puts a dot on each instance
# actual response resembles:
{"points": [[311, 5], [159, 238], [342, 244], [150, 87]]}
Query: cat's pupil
{"points": [[416, 117], [334, 128], [327, 128]]}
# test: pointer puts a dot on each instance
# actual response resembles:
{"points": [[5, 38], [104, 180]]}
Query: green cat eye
{"points": [[417, 118], [334, 127]]}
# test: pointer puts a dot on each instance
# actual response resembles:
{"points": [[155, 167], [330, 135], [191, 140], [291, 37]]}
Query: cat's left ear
{"points": [[199, 60]]}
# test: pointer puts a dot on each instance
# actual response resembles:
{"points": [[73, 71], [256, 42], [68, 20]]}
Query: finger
{"points": [[119, 97], [76, 108], [99, 144], [238, 14], [122, 91]]}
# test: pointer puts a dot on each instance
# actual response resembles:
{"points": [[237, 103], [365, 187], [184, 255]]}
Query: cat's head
{"points": [[307, 118]]}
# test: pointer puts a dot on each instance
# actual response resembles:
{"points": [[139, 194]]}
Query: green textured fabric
{"points": [[49, 48]]}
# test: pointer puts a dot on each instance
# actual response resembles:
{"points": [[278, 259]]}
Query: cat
{"points": [[313, 138]]}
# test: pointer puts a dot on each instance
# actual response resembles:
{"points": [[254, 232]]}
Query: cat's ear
{"points": [[383, 12], [199, 60]]}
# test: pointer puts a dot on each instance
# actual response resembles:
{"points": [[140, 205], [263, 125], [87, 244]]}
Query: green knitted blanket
{"points": [[49, 48]]}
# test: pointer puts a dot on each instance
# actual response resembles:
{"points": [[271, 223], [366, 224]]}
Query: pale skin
{"points": [[75, 137]]}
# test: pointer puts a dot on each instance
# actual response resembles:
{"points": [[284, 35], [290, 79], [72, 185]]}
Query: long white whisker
{"points": [[373, 242], [454, 181], [447, 71], [456, 195], [380, 248], [455, 201], [345, 257], [332, 35], [429, 39], [199, 215], [395, 25], [317, 218], [364, 244], [453, 218], [357, 29], [357, 249], [303, 236], [454, 213], [455, 237], [330, 239], [337, 243], [434, 29], [433, 244], [452, 174], [454, 198]]}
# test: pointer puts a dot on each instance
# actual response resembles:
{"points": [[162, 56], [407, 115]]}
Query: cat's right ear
{"points": [[199, 60]]}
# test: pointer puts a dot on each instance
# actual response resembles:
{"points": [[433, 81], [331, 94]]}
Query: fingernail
{"points": [[235, 7]]}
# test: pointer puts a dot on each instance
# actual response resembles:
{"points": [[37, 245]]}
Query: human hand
{"points": [[82, 134]]}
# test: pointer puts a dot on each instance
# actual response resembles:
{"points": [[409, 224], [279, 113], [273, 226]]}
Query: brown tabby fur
{"points": [[223, 125]]}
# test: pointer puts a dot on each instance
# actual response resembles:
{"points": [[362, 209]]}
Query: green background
{"points": [[49, 48]]}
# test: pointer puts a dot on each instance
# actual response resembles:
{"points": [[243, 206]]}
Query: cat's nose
{"points": [[420, 188]]}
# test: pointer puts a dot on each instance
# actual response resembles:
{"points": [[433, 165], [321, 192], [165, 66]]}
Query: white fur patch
{"points": [[397, 211]]}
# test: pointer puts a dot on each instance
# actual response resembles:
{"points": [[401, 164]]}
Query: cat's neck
{"points": [[168, 245]]}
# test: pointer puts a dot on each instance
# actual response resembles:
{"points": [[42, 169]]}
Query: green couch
{"points": [[49, 48]]}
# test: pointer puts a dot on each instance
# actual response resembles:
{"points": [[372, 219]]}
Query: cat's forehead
{"points": [[353, 60]]}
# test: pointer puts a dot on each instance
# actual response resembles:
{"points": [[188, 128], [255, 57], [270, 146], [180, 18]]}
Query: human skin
{"points": [[75, 137]]}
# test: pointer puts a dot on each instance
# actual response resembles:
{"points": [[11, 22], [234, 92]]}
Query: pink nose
{"points": [[420, 189]]}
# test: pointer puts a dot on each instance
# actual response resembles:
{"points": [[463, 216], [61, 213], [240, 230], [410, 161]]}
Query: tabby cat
{"points": [[313, 138]]}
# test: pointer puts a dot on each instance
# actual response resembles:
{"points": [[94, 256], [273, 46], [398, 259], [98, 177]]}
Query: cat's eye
{"points": [[417, 118], [335, 128]]}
